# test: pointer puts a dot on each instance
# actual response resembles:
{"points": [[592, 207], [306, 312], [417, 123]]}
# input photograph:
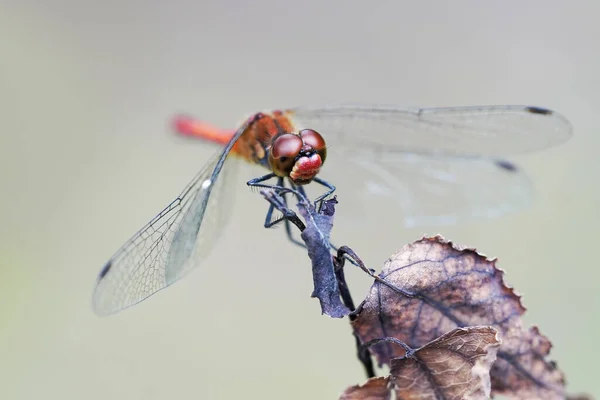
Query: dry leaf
{"points": [[453, 366], [438, 287], [316, 230], [316, 237], [373, 389]]}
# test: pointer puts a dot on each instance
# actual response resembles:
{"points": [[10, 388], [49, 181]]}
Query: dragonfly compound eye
{"points": [[314, 139], [283, 153]]}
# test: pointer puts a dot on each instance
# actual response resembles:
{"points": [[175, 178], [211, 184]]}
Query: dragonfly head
{"points": [[298, 156]]}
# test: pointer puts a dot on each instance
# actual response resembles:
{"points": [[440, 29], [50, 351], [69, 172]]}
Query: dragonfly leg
{"points": [[269, 222], [257, 182], [330, 190], [300, 189], [288, 217]]}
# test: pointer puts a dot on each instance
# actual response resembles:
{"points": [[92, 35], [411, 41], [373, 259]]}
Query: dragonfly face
{"points": [[298, 156]]}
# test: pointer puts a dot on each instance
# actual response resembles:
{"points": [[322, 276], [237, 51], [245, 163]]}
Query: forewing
{"points": [[172, 243], [203, 222], [430, 166], [466, 131]]}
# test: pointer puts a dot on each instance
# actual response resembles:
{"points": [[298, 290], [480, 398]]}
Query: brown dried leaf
{"points": [[373, 389], [539, 378], [453, 366], [443, 287]]}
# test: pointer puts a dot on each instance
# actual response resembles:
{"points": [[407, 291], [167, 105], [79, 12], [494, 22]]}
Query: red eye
{"points": [[313, 139], [283, 153], [287, 145]]}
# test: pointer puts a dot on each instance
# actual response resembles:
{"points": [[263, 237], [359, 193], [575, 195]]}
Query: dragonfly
{"points": [[429, 165]]}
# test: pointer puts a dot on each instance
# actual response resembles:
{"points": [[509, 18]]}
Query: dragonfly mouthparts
{"points": [[306, 167]]}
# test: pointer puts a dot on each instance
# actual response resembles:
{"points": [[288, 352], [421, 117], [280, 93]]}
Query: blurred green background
{"points": [[87, 157]]}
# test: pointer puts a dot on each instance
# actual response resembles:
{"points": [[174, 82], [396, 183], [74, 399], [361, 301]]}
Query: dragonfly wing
{"points": [[467, 131], [415, 190], [202, 223], [172, 243]]}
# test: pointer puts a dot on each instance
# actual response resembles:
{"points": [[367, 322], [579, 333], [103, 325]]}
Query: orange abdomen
{"points": [[253, 144]]}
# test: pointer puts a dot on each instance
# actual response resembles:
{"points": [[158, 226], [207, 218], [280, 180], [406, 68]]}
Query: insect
{"points": [[390, 155]]}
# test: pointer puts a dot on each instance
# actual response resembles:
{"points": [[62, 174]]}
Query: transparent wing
{"points": [[430, 166], [415, 190], [465, 131], [172, 243]]}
